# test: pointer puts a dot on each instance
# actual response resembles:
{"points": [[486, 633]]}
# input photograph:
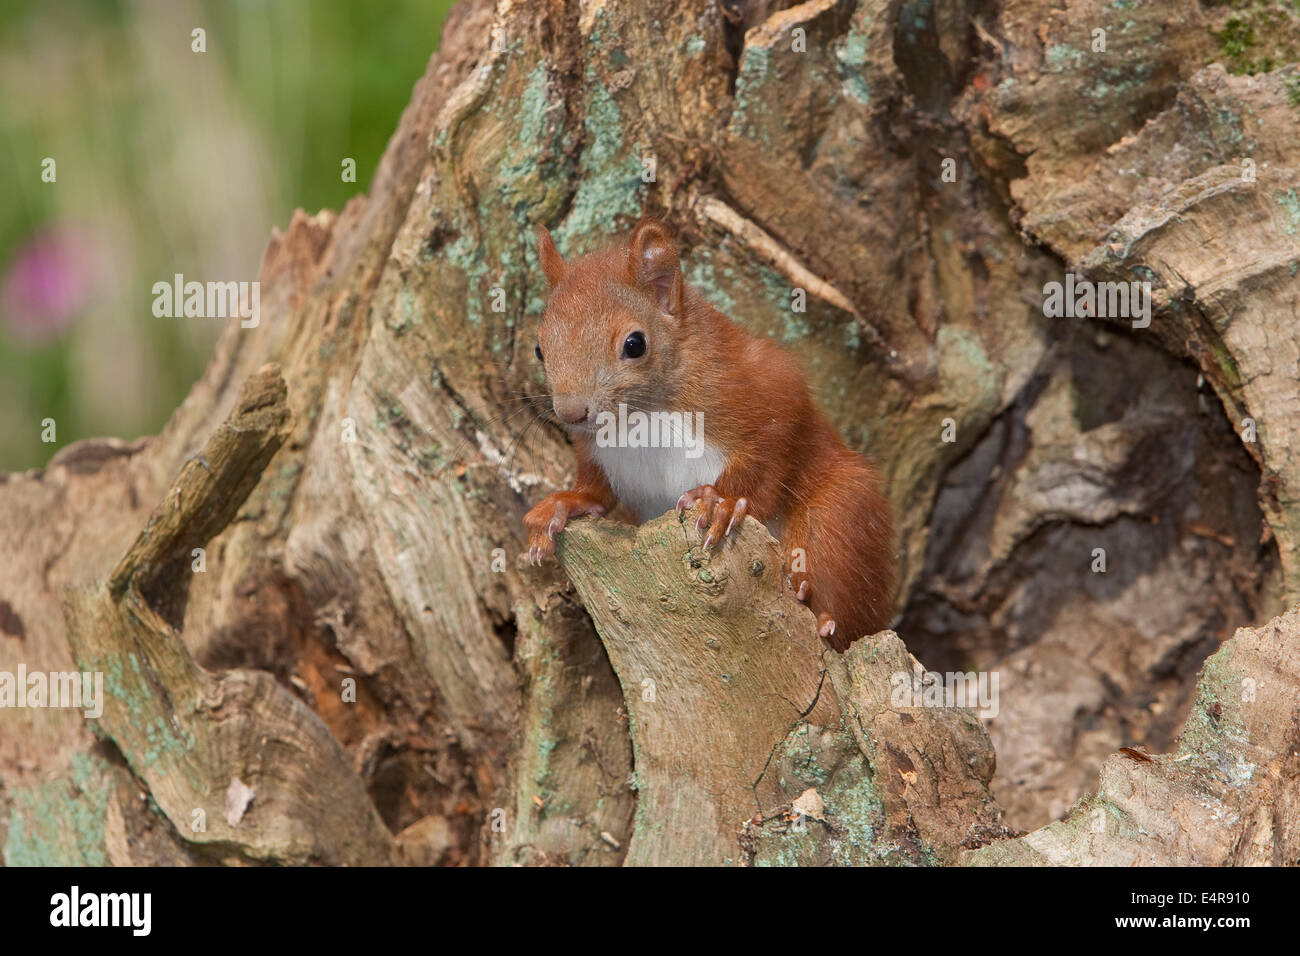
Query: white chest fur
{"points": [[648, 481]]}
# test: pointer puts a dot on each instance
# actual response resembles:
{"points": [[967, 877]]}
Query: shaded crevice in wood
{"points": [[191, 736]]}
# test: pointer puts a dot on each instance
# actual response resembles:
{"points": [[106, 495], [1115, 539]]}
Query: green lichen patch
{"points": [[1290, 203], [129, 686], [610, 181], [1258, 36], [61, 822], [825, 760]]}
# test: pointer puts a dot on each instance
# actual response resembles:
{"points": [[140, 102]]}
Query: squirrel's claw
{"points": [[718, 514], [738, 511], [726, 512], [539, 550], [548, 518], [543, 523]]}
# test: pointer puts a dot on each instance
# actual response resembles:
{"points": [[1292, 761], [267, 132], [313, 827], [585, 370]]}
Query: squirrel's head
{"points": [[611, 330]]}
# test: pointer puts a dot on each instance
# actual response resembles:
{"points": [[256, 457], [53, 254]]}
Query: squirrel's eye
{"points": [[634, 345], [537, 350]]}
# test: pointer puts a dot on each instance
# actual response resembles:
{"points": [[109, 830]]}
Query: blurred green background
{"points": [[167, 161]]}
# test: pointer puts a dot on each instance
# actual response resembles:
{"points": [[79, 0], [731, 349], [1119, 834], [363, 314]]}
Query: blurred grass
{"points": [[168, 161]]}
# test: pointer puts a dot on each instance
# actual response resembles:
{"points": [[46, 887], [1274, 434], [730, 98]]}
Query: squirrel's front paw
{"points": [[548, 517], [717, 513]]}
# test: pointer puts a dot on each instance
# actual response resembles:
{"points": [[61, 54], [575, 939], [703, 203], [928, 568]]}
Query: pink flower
{"points": [[47, 282]]}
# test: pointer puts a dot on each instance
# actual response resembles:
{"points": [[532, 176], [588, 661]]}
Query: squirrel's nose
{"points": [[572, 410]]}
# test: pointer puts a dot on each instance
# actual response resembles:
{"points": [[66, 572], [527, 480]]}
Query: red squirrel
{"points": [[622, 328]]}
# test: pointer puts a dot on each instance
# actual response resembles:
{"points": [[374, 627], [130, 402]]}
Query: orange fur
{"points": [[785, 463]]}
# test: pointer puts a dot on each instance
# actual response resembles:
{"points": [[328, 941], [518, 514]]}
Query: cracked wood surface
{"points": [[196, 738], [726, 683]]}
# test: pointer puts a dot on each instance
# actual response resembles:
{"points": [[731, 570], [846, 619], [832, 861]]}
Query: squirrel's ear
{"points": [[552, 261], [654, 267]]}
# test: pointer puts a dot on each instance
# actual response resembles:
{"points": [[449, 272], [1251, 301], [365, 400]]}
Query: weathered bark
{"points": [[721, 736], [502, 718], [1229, 793]]}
